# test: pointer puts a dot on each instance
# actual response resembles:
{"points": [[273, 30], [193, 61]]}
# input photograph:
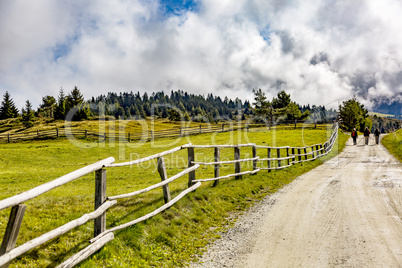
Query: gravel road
{"points": [[344, 213]]}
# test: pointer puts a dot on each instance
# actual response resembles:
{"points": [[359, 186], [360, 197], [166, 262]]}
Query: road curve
{"points": [[344, 213]]}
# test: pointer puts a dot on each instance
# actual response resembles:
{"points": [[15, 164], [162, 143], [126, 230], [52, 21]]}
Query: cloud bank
{"points": [[320, 51]]}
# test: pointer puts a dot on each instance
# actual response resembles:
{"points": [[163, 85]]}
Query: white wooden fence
{"points": [[277, 158]]}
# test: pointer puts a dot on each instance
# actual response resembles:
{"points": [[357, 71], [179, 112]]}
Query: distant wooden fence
{"points": [[143, 135], [277, 158]]}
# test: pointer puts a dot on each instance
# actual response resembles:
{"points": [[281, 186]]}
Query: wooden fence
{"points": [[277, 158], [144, 135]]}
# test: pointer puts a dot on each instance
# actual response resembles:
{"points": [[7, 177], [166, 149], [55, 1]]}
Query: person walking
{"points": [[354, 136], [377, 136], [366, 136]]}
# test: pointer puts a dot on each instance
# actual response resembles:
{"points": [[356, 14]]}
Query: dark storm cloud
{"points": [[321, 57], [362, 82]]}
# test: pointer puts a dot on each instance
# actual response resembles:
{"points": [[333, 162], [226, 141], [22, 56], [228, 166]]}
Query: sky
{"points": [[322, 52]]}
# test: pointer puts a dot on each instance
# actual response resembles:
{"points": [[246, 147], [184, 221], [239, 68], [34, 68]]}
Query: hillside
{"points": [[387, 105]]}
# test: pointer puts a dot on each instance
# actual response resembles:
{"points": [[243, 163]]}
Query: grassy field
{"points": [[380, 114], [102, 125], [393, 143], [172, 238]]}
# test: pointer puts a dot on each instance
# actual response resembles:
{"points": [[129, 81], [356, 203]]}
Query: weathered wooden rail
{"points": [[133, 136], [129, 136], [277, 158]]}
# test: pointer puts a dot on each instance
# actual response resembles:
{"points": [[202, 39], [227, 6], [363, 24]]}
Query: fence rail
{"points": [[276, 156], [133, 136]]}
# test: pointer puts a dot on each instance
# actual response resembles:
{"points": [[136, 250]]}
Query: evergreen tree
{"points": [[353, 114], [8, 108], [282, 100], [119, 113], [28, 115], [47, 106], [127, 112], [137, 111], [60, 111], [293, 112], [262, 107], [75, 98], [142, 112], [174, 115], [84, 113]]}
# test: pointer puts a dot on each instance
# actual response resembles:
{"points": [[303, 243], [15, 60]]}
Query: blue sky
{"points": [[319, 51], [177, 7]]}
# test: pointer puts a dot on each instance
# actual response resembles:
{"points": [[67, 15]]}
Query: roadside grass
{"points": [[172, 238], [393, 143]]}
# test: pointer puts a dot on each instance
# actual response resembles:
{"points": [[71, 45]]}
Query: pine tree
{"points": [[74, 99], [47, 106], [28, 115], [293, 112], [282, 101], [8, 108], [60, 111]]}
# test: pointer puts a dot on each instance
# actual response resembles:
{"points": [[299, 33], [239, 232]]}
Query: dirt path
{"points": [[345, 213]]}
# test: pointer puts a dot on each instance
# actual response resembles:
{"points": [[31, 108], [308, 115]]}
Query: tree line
{"points": [[282, 108], [176, 106], [353, 115]]}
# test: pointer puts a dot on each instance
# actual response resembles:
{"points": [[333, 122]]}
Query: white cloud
{"points": [[319, 51]]}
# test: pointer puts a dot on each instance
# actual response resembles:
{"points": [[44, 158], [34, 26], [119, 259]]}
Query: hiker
{"points": [[354, 136], [377, 136], [366, 136]]}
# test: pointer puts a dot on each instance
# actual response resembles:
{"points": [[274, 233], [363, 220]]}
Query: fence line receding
{"points": [[277, 158]]}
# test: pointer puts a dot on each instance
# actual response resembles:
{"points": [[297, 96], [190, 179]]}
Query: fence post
{"points": [[86, 134], [162, 172], [57, 132], [191, 158], [152, 135], [254, 156], [104, 137], [295, 123], [8, 137], [217, 156], [12, 230], [269, 161], [278, 155], [248, 127], [320, 149], [305, 152], [223, 127], [200, 128], [237, 164], [100, 198], [312, 152], [287, 155], [299, 153]]}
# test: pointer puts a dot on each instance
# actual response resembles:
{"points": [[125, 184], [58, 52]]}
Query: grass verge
{"points": [[393, 143], [172, 238]]}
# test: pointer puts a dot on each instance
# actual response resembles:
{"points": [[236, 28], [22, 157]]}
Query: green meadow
{"points": [[172, 238]]}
